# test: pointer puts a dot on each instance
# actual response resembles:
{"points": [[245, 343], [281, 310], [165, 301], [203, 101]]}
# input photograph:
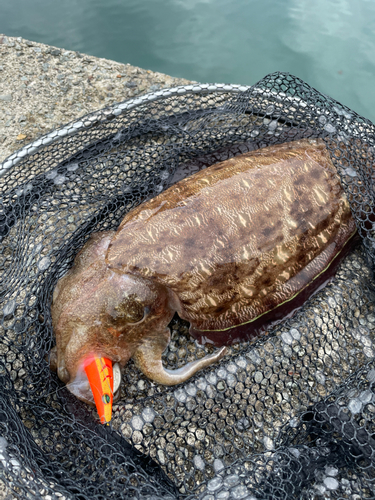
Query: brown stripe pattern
{"points": [[240, 237]]}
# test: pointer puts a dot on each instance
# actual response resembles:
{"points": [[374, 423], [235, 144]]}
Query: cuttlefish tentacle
{"points": [[148, 359], [58, 366]]}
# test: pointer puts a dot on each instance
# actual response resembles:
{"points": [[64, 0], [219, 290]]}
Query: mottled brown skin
{"points": [[222, 248]]}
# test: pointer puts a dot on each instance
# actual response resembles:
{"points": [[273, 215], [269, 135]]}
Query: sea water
{"points": [[328, 43]]}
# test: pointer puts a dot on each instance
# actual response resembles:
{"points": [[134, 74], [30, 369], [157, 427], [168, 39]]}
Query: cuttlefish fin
{"points": [[148, 359], [99, 372]]}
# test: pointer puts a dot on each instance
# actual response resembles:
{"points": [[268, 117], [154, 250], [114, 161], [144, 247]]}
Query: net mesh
{"points": [[287, 416]]}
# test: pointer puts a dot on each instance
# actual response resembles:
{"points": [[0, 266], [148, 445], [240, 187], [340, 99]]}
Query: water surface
{"points": [[328, 43]]}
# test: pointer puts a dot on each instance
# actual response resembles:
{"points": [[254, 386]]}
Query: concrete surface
{"points": [[44, 87]]}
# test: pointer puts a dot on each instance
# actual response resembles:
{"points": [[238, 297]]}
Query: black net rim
{"points": [[104, 114]]}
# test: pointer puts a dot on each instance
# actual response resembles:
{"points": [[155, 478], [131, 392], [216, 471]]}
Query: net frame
{"points": [[297, 110]]}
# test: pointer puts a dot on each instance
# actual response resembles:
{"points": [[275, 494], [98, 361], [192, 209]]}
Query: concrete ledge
{"points": [[44, 87]]}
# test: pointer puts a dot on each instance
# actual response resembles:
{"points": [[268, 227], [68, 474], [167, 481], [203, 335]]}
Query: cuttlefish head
{"points": [[100, 317]]}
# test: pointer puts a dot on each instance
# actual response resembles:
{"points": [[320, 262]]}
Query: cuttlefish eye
{"points": [[146, 311], [130, 311]]}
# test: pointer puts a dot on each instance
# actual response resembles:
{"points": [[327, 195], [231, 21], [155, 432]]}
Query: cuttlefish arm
{"points": [[148, 359]]}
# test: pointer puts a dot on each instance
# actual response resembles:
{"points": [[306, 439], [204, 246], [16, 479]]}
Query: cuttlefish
{"points": [[232, 249]]}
